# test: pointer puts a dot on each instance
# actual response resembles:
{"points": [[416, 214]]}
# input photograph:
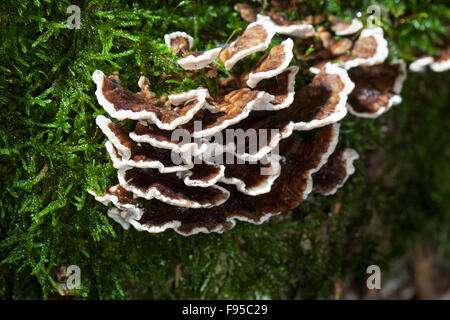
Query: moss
{"points": [[51, 153]]}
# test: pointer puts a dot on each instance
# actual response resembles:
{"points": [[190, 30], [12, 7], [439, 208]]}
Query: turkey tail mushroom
{"points": [[199, 162]]}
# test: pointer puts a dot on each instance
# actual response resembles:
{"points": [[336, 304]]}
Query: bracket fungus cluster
{"points": [[206, 184]]}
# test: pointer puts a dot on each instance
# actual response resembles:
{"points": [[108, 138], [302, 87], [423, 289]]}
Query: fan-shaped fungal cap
{"points": [[125, 208], [371, 48], [285, 26], [317, 18], [148, 157], [442, 62], [334, 47], [247, 12], [126, 152], [249, 178], [270, 65], [335, 172], [377, 88], [282, 88], [204, 175], [255, 38], [147, 133], [180, 42], [149, 184], [253, 178], [345, 28], [184, 221], [118, 137], [122, 104], [420, 64], [121, 199], [199, 60], [323, 101]]}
